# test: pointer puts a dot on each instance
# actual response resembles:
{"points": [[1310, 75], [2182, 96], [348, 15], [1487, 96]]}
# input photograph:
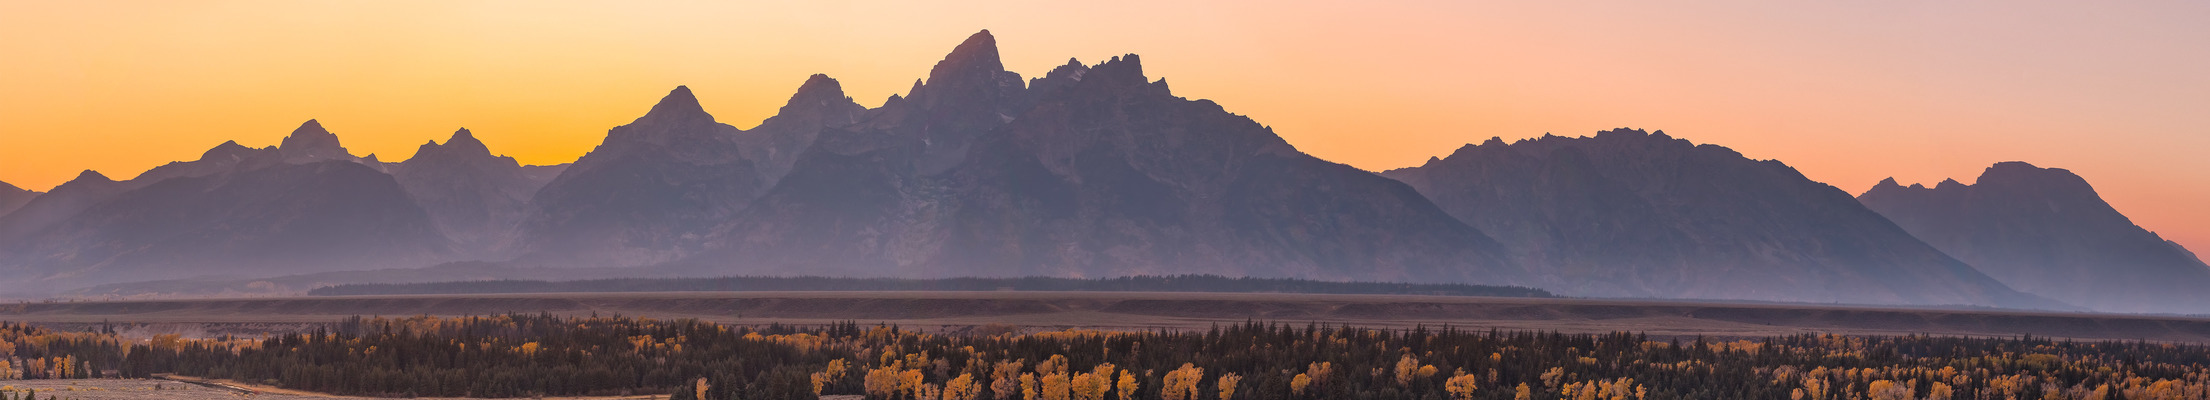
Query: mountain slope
{"points": [[1088, 171], [2046, 231], [1628, 213], [476, 199], [12, 198], [236, 211], [651, 191], [88, 189]]}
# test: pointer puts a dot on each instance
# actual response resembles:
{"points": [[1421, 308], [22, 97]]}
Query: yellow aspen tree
{"points": [[831, 373], [1815, 387], [1320, 372], [699, 388], [963, 387], [1407, 367], [1181, 383], [1056, 364], [1588, 392], [909, 381], [1057, 386], [1298, 383], [1523, 392], [1087, 386], [1007, 381], [1461, 387], [1227, 384], [1938, 390], [1028, 387], [1104, 374], [882, 382], [1127, 386]]}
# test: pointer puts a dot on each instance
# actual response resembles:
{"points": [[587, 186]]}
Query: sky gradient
{"points": [[1847, 92]]}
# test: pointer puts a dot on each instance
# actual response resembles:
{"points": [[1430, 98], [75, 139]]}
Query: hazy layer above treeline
{"points": [[1177, 283]]}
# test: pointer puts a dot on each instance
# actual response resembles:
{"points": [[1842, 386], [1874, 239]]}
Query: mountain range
{"points": [[2046, 231], [1632, 213], [1090, 170]]}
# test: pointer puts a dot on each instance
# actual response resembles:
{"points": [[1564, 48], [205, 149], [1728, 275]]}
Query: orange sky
{"points": [[1847, 92]]}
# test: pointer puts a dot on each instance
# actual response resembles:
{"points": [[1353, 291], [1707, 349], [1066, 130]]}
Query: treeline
{"points": [[1177, 283], [540, 355]]}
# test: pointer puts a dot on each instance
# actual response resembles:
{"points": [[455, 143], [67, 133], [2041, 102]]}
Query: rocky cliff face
{"points": [[1088, 171], [2045, 231], [1630, 213]]}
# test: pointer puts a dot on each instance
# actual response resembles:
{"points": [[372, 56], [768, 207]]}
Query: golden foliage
{"points": [[1228, 383], [1127, 386], [1462, 386], [1181, 383], [1005, 379], [1057, 386], [831, 373], [963, 387]]}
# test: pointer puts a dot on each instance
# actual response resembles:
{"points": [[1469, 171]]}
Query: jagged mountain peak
{"points": [[310, 142], [309, 134], [977, 56], [972, 74], [1124, 69], [311, 129], [464, 137], [463, 144], [819, 89], [678, 105]]}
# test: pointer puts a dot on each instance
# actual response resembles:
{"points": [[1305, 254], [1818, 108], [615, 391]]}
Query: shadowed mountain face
{"points": [[12, 198], [236, 211], [1085, 172], [656, 186], [88, 189], [476, 198], [2045, 231], [1628, 213]]}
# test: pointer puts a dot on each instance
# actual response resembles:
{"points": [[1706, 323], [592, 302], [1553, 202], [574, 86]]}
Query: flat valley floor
{"points": [[967, 312]]}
